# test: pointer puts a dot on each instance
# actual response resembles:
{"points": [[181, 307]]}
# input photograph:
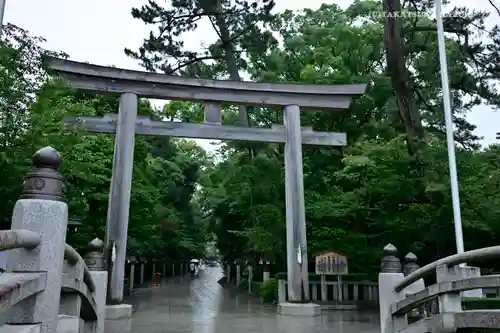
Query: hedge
{"points": [[255, 288], [473, 303], [268, 290]]}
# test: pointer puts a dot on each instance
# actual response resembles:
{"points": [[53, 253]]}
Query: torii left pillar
{"points": [[118, 315]]}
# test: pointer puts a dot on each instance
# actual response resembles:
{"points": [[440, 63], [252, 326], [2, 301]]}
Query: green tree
{"points": [[236, 24], [368, 194], [162, 186]]}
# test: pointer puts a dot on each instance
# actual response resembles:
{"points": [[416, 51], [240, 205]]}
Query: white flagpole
{"points": [[459, 238], [2, 11]]}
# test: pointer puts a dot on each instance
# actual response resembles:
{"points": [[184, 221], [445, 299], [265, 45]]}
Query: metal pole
{"points": [[2, 11], [459, 238]]}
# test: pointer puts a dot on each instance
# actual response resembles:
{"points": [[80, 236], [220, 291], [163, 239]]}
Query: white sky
{"points": [[97, 31]]}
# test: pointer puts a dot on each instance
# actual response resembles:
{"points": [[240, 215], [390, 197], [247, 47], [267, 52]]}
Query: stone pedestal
{"points": [[118, 318], [299, 309], [35, 328], [69, 324]]}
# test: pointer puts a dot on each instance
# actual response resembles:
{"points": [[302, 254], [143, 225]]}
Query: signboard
{"points": [[331, 263]]}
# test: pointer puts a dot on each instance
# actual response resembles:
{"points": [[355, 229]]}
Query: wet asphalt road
{"points": [[201, 305]]}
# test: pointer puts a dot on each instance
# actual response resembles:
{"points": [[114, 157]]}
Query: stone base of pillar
{"points": [[118, 318], [21, 328], [299, 309], [69, 324]]}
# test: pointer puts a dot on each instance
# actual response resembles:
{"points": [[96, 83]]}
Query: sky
{"points": [[97, 31]]}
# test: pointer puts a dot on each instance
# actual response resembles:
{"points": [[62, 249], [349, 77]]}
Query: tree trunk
{"points": [[403, 88], [232, 66]]}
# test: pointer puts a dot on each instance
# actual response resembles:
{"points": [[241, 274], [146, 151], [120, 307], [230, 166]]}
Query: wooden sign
{"points": [[331, 263]]}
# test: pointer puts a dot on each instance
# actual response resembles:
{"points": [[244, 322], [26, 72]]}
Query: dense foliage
{"points": [[390, 184], [164, 221]]}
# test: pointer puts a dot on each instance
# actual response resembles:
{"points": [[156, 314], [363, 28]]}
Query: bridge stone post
{"points": [[390, 275], [94, 259], [469, 272], [70, 304], [42, 209], [449, 302], [461, 272], [410, 266]]}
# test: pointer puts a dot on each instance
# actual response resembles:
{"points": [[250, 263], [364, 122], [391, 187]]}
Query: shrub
{"points": [[473, 303], [269, 290], [255, 288]]}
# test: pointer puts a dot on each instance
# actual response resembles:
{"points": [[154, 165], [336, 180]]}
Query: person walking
{"points": [[192, 269], [157, 279]]}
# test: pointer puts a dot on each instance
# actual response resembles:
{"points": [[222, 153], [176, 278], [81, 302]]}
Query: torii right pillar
{"points": [[298, 280]]}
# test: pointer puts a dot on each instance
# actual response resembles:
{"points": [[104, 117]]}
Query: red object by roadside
{"points": [[157, 278]]}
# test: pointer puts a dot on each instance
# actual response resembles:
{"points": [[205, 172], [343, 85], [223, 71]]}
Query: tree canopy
{"points": [[391, 183], [163, 223]]}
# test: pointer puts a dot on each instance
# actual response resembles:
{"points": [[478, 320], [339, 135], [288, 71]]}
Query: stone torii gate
{"points": [[126, 124]]}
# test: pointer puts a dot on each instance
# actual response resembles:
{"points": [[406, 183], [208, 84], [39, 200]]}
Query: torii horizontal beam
{"points": [[146, 126], [160, 86]]}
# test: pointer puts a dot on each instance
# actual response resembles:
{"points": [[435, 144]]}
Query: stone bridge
{"points": [[49, 287]]}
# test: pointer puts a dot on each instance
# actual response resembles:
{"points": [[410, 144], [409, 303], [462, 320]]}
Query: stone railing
{"points": [[351, 294], [48, 287], [406, 305]]}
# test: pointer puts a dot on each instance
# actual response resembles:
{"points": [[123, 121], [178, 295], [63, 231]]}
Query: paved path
{"points": [[203, 306]]}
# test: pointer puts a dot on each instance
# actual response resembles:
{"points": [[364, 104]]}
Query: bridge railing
{"points": [[48, 287], [406, 305]]}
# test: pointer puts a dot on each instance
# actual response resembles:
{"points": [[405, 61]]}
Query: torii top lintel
{"points": [[160, 86]]}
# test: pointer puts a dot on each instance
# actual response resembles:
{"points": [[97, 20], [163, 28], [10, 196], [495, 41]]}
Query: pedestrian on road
{"points": [[157, 279], [192, 268]]}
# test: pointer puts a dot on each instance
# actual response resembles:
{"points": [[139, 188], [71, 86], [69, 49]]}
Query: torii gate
{"points": [[133, 84]]}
